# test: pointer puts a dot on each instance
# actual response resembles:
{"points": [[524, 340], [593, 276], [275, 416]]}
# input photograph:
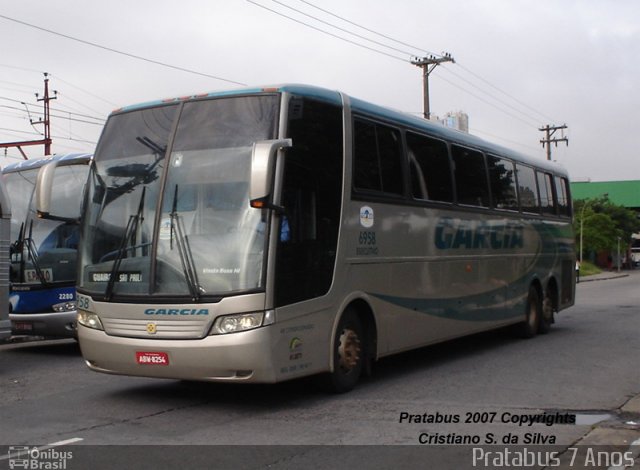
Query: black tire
{"points": [[529, 327], [349, 354], [546, 314]]}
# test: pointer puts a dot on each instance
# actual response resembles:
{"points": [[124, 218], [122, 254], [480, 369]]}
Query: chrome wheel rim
{"points": [[348, 350]]}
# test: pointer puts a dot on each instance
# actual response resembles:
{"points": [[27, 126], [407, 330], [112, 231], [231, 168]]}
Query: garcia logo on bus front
{"points": [[176, 311]]}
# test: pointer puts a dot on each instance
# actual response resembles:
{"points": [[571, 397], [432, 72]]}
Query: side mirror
{"points": [[263, 163], [44, 188], [44, 194]]}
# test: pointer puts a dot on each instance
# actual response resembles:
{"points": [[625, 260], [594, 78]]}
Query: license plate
{"points": [[31, 275], [22, 326], [152, 358]]}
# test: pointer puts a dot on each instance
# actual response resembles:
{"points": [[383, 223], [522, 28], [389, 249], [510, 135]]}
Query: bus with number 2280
{"points": [[265, 234]]}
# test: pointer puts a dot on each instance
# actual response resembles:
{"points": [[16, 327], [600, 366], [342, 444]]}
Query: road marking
{"points": [[40, 448]]}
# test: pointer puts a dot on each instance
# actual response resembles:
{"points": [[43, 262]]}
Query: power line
{"points": [[341, 29], [505, 93], [327, 32], [370, 30], [37, 113], [116, 51], [548, 140], [428, 64], [437, 55], [533, 120], [98, 97], [24, 69], [40, 134]]}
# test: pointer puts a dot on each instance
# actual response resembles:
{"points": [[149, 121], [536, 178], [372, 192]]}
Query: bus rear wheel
{"points": [[546, 314], [349, 353], [533, 312]]}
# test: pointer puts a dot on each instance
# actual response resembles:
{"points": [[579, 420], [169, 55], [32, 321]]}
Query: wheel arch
{"points": [[553, 292]]}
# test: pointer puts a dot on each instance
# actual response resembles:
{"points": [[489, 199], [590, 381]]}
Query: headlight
{"points": [[242, 322], [90, 320], [65, 307]]}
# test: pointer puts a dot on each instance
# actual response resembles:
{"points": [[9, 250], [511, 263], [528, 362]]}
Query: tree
{"points": [[603, 223]]}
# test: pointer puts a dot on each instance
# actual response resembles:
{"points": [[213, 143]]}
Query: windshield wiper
{"points": [[33, 255], [155, 148], [184, 250], [17, 249], [129, 233]]}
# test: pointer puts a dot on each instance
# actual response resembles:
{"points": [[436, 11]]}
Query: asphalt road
{"points": [[482, 391]]}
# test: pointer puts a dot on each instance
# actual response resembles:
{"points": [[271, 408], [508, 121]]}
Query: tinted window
{"points": [[562, 191], [545, 185], [430, 168], [527, 188], [471, 177], [377, 158], [503, 183]]}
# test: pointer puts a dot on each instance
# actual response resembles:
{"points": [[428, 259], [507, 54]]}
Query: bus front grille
{"points": [[156, 328]]}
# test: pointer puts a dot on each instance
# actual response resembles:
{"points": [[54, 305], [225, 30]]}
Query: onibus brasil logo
{"points": [[38, 458]]}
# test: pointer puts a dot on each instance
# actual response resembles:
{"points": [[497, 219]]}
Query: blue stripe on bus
{"points": [[480, 307]]}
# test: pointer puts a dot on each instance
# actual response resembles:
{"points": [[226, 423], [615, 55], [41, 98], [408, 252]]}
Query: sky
{"points": [[519, 65]]}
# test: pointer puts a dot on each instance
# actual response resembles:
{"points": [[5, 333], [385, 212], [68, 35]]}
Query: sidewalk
{"points": [[604, 276], [610, 442]]}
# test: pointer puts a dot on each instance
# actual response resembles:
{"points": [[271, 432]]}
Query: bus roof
{"points": [[335, 97], [67, 158]]}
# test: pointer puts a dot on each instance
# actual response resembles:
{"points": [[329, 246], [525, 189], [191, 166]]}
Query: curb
{"points": [[597, 277], [614, 437]]}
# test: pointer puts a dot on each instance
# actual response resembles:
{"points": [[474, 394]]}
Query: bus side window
{"points": [[472, 188], [562, 192], [430, 168], [545, 184], [503, 183], [527, 187], [377, 158]]}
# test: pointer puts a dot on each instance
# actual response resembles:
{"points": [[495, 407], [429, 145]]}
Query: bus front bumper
{"points": [[50, 324], [237, 357]]}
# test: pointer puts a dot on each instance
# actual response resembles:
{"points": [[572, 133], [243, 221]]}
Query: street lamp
{"points": [[618, 254], [584, 206]]}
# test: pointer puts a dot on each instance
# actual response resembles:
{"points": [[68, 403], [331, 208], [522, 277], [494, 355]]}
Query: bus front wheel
{"points": [[349, 353]]}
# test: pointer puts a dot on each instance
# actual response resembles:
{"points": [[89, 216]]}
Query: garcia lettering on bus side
{"points": [[453, 234]]}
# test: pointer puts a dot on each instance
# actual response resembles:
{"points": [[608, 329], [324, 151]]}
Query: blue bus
{"points": [[44, 250]]}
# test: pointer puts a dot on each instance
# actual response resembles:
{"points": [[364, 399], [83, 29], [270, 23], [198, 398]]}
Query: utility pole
{"points": [[47, 115], [549, 131], [46, 121], [427, 64]]}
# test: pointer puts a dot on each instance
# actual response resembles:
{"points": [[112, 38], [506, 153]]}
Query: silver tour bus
{"points": [[265, 234], [44, 250], [5, 225]]}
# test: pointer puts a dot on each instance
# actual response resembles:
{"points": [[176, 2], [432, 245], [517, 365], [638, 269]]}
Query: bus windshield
{"points": [[169, 201], [43, 250]]}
